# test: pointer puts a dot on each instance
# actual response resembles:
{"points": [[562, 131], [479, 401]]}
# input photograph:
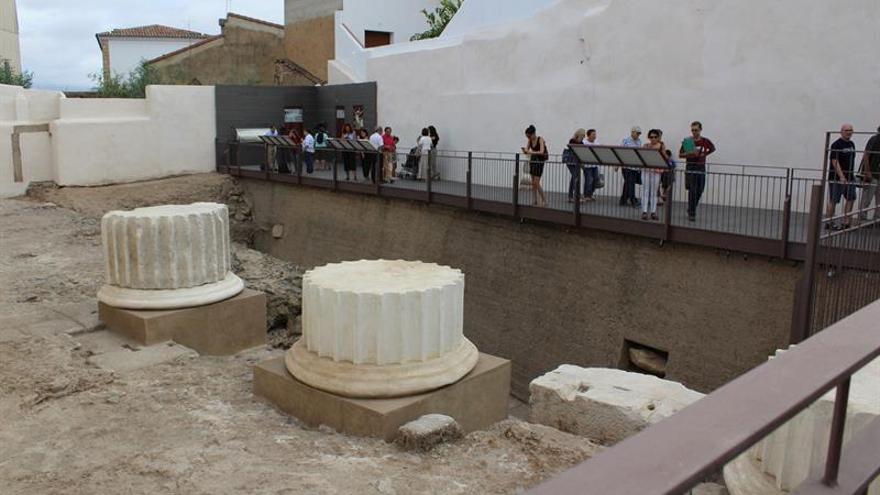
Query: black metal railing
{"points": [[760, 210]]}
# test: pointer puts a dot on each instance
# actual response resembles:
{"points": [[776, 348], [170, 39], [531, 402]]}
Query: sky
{"points": [[58, 36]]}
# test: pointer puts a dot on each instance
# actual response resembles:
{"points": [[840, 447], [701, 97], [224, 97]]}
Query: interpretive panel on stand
{"points": [[619, 156]]}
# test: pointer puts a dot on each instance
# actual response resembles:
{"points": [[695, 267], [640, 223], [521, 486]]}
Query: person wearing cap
{"points": [[630, 175], [695, 149]]}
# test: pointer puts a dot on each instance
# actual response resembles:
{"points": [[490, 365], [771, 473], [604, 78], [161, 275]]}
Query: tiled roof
{"points": [[152, 31], [197, 44]]}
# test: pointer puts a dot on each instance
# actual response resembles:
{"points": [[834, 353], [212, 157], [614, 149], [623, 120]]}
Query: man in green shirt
{"points": [[871, 177]]}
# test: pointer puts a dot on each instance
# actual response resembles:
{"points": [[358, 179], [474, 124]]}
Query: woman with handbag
{"points": [[536, 149], [651, 177]]}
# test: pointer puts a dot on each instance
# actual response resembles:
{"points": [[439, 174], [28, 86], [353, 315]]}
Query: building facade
{"points": [[123, 50], [247, 52], [363, 28], [308, 33], [9, 44]]}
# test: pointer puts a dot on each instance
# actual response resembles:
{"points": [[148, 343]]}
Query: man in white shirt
{"points": [[425, 144], [309, 152], [371, 159]]}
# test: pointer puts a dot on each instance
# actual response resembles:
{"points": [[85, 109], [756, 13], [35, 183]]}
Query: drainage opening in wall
{"points": [[645, 359]]}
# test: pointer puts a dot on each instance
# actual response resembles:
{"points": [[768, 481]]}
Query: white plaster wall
{"points": [[402, 18], [127, 54], [481, 14], [19, 106], [766, 78], [93, 144]]}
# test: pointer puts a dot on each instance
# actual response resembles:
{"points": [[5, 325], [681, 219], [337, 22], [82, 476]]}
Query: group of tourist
{"points": [[844, 181], [316, 154], [655, 182]]}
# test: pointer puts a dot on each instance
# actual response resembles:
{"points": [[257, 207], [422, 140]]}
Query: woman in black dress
{"points": [[536, 149], [349, 160]]}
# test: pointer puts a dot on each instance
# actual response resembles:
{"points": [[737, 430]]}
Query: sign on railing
{"points": [[619, 156]]}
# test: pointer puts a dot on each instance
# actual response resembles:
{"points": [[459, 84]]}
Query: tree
{"points": [[438, 19], [9, 76], [133, 85]]}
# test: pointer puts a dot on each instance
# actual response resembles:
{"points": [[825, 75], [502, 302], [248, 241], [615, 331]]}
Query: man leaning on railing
{"points": [[870, 169]]}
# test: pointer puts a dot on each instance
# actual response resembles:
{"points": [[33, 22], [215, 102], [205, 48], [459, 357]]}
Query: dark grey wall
{"points": [[346, 95], [259, 106]]}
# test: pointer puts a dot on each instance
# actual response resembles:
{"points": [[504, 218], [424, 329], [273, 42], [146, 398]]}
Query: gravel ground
{"points": [[188, 424]]}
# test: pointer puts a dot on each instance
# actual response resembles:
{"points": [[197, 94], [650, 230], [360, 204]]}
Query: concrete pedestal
{"points": [[476, 401], [217, 329]]}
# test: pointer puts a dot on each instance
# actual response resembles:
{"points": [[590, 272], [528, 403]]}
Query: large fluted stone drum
{"points": [[168, 257], [382, 329]]}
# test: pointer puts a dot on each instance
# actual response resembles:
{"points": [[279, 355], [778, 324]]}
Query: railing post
{"points": [[786, 216], [667, 212], [378, 170], [430, 183], [266, 156], [297, 163], [835, 442], [516, 187], [804, 297], [335, 171], [577, 194], [470, 184]]}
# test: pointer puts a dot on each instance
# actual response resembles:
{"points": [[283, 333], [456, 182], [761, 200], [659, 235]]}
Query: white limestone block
{"points": [[382, 329], [604, 405], [786, 457], [167, 257]]}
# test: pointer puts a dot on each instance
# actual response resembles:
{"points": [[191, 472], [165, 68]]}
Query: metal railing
{"points": [[748, 208], [674, 455]]}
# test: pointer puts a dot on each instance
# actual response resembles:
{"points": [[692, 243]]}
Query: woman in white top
{"points": [[425, 144]]}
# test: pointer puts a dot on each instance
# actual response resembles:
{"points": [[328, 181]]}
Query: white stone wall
{"points": [[765, 91], [402, 18], [101, 141]]}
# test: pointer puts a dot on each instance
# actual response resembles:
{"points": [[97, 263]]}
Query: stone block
{"points": [[604, 405], [85, 313], [476, 401], [428, 432], [217, 329], [126, 360]]}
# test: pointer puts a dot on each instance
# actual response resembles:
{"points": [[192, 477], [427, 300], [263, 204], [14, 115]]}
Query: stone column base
{"points": [[119, 297], [380, 381], [218, 329], [476, 401]]}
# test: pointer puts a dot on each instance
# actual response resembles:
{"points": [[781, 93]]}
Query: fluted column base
{"points": [[380, 381], [125, 298]]}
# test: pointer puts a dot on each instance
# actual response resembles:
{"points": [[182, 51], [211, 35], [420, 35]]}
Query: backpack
{"points": [[568, 157], [322, 136]]}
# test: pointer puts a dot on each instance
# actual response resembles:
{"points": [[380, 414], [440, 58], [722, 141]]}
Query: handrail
{"points": [[350, 33], [675, 454]]}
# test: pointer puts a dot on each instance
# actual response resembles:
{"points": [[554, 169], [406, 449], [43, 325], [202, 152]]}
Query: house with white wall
{"points": [[364, 28], [123, 50], [10, 48]]}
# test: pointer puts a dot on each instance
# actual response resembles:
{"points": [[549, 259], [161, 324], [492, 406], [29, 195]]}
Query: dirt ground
{"points": [[185, 424]]}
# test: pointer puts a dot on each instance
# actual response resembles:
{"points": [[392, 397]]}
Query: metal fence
{"points": [[754, 209]]}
